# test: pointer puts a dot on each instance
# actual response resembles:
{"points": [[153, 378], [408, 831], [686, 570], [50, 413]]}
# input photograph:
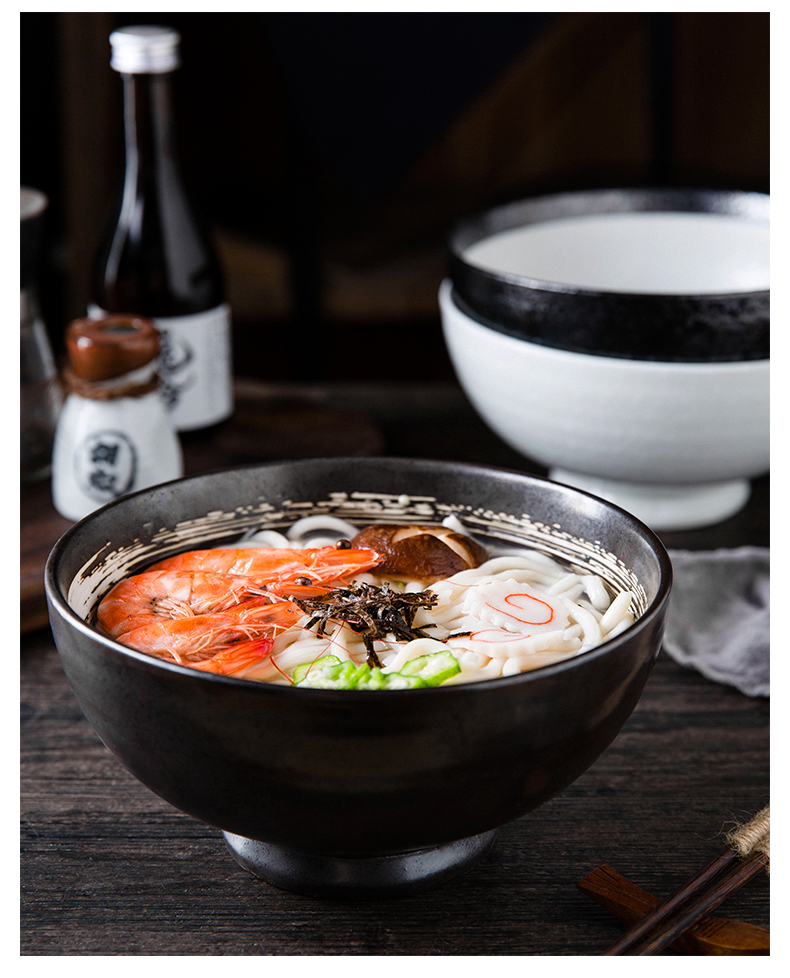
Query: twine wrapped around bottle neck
{"points": [[129, 385], [755, 836]]}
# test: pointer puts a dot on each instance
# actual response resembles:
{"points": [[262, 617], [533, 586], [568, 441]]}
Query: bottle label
{"points": [[195, 366], [106, 448], [105, 465]]}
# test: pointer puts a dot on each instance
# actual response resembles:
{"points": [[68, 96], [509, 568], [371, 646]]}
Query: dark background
{"points": [[330, 153]]}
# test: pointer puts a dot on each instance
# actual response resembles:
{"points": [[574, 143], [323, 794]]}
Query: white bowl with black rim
{"points": [[621, 339]]}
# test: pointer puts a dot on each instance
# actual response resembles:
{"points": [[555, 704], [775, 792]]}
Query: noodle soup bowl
{"points": [[354, 792]]}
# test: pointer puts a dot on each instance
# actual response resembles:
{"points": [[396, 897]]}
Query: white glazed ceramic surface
{"points": [[658, 253], [674, 443], [106, 448]]}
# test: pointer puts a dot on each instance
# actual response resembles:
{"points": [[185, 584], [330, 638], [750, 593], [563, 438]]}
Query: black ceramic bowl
{"points": [[349, 792], [700, 297]]}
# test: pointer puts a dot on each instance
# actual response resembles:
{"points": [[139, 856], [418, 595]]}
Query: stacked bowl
{"points": [[620, 338]]}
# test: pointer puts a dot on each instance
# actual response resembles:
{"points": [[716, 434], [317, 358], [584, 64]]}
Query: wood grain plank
{"points": [[109, 868]]}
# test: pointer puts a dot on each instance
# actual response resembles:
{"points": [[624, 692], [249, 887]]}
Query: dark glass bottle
{"points": [[156, 260]]}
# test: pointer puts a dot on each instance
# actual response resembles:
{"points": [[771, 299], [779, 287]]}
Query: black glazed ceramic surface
{"points": [[692, 328], [333, 792]]}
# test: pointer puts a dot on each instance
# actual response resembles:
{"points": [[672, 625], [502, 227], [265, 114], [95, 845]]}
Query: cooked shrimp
{"points": [[219, 610], [193, 617], [266, 565], [171, 595], [203, 635]]}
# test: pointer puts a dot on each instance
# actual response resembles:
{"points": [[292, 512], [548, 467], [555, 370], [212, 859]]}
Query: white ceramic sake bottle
{"points": [[114, 434]]}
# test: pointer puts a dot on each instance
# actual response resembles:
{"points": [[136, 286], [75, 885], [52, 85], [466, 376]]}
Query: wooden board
{"points": [[109, 868]]}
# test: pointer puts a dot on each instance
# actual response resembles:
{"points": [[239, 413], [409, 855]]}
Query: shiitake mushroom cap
{"points": [[426, 553]]}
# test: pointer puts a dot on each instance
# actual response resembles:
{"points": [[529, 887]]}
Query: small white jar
{"points": [[114, 434]]}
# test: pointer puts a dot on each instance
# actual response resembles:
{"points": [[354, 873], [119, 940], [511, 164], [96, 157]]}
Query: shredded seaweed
{"points": [[372, 612]]}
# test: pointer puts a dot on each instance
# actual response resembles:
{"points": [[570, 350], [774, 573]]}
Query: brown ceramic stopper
{"points": [[100, 349]]}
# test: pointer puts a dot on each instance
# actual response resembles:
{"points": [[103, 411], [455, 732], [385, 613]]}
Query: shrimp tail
{"points": [[236, 657]]}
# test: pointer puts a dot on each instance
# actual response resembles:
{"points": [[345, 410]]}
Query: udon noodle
{"points": [[519, 610]]}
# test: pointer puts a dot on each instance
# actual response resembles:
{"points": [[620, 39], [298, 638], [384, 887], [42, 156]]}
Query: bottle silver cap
{"points": [[144, 49], [32, 202]]}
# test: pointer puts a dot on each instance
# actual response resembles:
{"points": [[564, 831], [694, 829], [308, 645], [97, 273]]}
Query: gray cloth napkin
{"points": [[718, 618]]}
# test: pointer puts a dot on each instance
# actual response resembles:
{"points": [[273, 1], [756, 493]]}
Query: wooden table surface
{"points": [[108, 868]]}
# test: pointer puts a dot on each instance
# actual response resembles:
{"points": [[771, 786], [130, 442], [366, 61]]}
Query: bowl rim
{"points": [[475, 227], [57, 600], [448, 297]]}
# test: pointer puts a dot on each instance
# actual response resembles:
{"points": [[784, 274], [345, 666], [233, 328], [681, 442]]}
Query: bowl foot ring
{"points": [[397, 874], [665, 507]]}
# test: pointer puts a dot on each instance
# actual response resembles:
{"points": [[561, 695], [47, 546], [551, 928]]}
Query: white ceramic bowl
{"points": [[674, 443], [650, 274]]}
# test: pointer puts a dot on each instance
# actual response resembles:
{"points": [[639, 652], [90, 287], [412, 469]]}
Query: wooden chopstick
{"points": [[702, 904], [668, 907], [693, 900], [709, 936]]}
